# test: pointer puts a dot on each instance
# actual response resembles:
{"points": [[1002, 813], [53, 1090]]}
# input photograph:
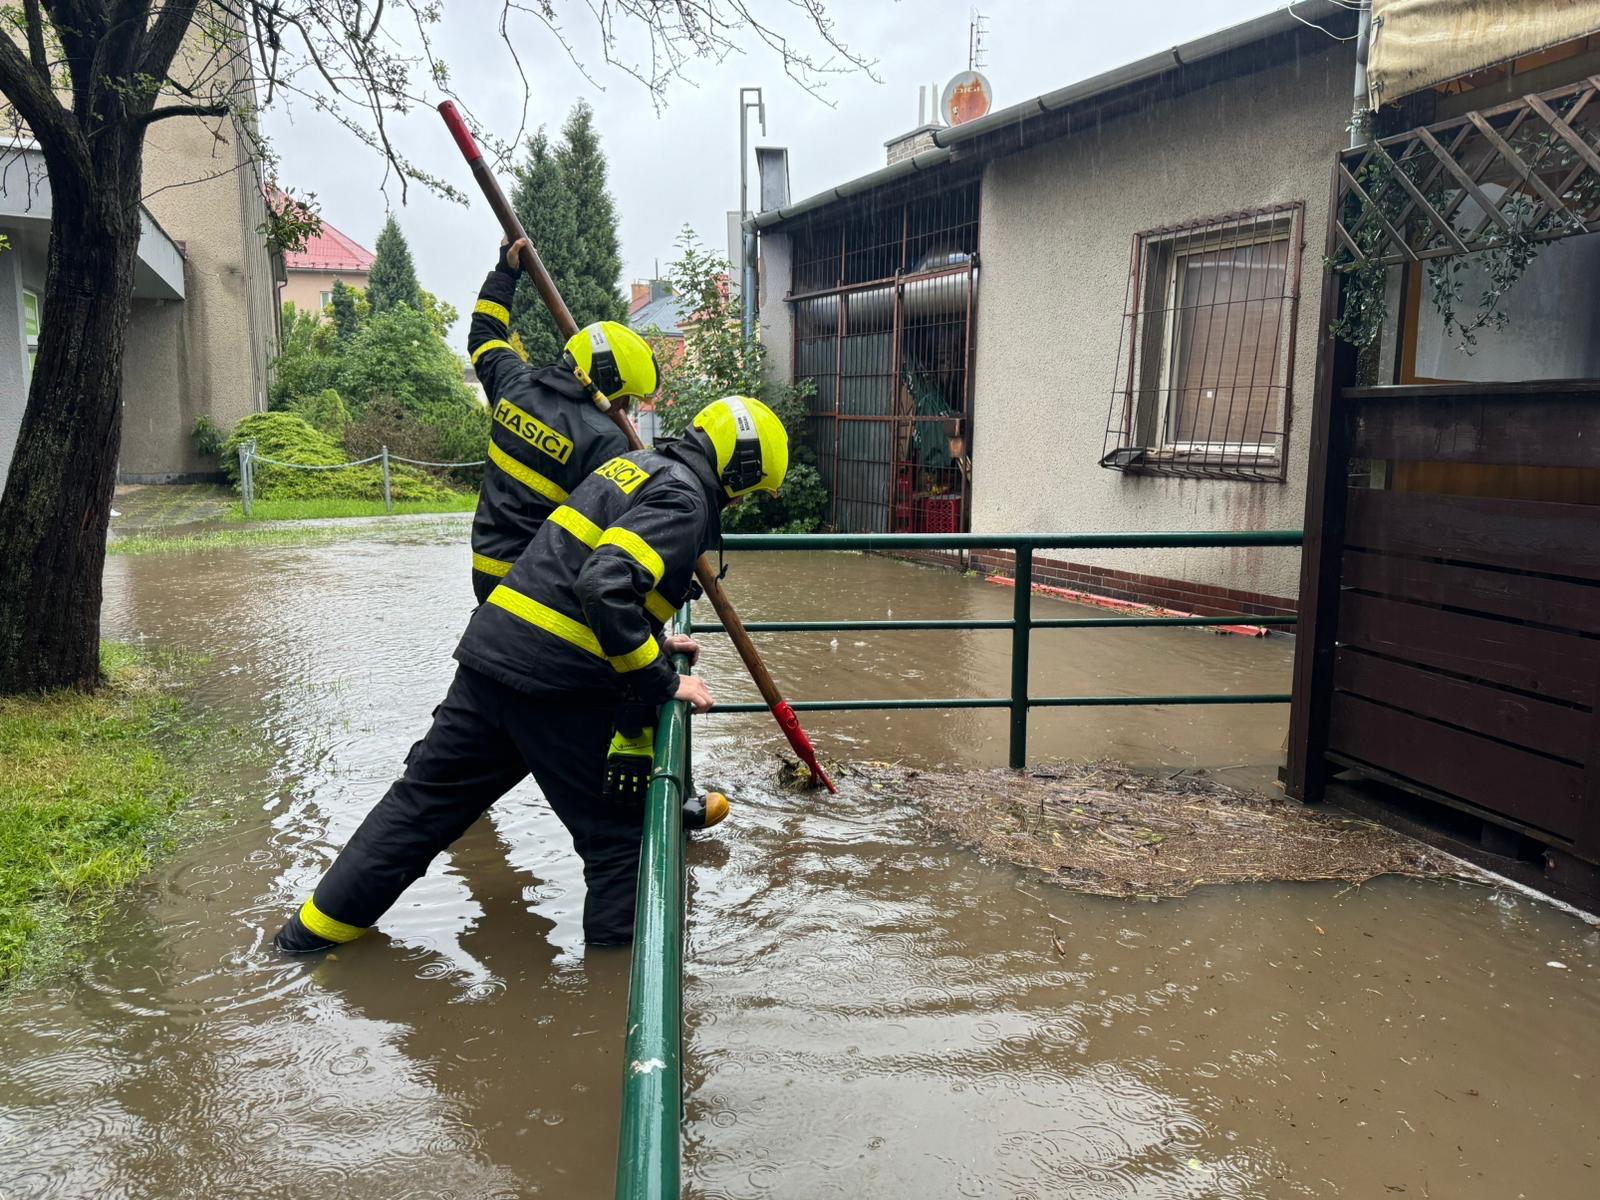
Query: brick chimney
{"points": [[910, 144]]}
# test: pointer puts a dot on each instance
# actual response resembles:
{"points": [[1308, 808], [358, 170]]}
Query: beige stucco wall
{"points": [[1057, 228], [210, 354], [304, 289]]}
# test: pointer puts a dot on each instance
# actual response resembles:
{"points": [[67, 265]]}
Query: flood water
{"points": [[871, 1011]]}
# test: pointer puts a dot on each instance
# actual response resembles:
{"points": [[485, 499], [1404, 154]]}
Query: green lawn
{"points": [[91, 787], [311, 510]]}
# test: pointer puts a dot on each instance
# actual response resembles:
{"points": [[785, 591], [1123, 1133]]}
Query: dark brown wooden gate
{"points": [[1453, 640]]}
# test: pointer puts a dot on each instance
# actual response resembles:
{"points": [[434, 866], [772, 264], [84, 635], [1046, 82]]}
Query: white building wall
{"points": [[1057, 228]]}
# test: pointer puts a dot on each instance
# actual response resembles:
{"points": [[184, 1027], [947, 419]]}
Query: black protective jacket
{"points": [[546, 436], [581, 612]]}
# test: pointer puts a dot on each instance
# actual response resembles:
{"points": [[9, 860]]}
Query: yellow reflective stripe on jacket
{"points": [[548, 619], [638, 659], [324, 926], [493, 344], [587, 532], [490, 566], [642, 552], [660, 607], [490, 309], [578, 525], [568, 630], [526, 476]]}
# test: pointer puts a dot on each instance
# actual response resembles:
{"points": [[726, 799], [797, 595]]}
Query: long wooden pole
{"points": [[704, 571]]}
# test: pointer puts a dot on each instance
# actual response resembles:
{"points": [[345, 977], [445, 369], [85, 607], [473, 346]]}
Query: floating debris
{"points": [[1108, 830]]}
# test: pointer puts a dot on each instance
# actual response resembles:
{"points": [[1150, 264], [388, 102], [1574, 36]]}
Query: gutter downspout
{"points": [[1360, 114], [747, 284]]}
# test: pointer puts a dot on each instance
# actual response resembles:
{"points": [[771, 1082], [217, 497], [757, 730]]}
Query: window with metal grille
{"points": [[883, 297], [1207, 350]]}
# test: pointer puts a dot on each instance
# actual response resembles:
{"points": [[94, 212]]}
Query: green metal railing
{"points": [[1022, 622], [648, 1154], [648, 1151]]}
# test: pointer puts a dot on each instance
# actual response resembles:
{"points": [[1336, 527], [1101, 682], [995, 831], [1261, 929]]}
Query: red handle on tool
{"points": [[703, 569]]}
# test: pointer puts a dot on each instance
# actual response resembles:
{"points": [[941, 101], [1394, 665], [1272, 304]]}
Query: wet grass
{"points": [[272, 534], [317, 510], [92, 789]]}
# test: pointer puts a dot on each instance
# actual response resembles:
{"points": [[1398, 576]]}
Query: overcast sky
{"points": [[681, 166]]}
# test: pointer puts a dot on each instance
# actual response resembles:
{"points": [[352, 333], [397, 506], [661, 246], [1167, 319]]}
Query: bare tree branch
{"points": [[51, 122], [34, 20], [167, 111]]}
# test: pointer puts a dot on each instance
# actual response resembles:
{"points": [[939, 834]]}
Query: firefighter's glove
{"points": [[628, 766]]}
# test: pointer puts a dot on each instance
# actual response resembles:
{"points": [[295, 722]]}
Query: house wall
{"points": [[211, 354], [304, 289], [21, 267], [1057, 228], [13, 369]]}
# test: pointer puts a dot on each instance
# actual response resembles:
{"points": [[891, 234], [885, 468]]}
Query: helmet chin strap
{"points": [[603, 362]]}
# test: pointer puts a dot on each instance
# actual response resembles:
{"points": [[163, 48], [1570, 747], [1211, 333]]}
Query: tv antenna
{"points": [[977, 30]]}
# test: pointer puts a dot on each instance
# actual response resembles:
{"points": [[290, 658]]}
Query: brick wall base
{"points": [[1201, 599]]}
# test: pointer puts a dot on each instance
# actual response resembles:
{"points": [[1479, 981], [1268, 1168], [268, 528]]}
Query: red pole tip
{"points": [[459, 131]]}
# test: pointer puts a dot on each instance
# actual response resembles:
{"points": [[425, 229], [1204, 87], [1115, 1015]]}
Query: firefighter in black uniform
{"points": [[569, 638], [547, 436]]}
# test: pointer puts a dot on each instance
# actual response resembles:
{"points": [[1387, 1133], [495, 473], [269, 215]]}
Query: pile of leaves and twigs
{"points": [[1108, 830]]}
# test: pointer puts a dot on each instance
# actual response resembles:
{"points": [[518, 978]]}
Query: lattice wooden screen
{"points": [[1526, 169]]}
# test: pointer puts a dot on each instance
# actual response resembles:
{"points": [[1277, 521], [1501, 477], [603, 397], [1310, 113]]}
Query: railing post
{"points": [[388, 504], [1021, 631]]}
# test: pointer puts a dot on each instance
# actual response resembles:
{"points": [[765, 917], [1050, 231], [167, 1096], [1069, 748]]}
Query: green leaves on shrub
{"points": [[325, 412]]}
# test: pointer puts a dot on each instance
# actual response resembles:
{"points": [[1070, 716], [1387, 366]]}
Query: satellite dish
{"points": [[966, 98]]}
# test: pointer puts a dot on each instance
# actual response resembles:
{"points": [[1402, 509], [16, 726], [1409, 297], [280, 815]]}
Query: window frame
{"points": [[1139, 434], [30, 340]]}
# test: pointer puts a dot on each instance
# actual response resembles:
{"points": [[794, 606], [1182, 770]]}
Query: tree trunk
{"points": [[57, 501]]}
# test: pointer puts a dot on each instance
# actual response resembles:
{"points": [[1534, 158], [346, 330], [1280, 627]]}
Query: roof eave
{"points": [[968, 138]]}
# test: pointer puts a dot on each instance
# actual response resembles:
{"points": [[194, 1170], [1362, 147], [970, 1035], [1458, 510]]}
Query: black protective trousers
{"points": [[485, 738]]}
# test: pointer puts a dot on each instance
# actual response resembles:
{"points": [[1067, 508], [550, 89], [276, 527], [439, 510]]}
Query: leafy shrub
{"points": [[397, 355], [307, 362], [454, 431], [287, 438], [325, 412], [716, 362], [206, 437]]}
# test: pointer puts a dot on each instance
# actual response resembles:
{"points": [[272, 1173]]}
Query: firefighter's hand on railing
{"points": [[692, 690], [682, 643]]}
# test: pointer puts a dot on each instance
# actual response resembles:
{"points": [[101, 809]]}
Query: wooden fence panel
{"points": [[1529, 788], [1522, 720], [1464, 629]]}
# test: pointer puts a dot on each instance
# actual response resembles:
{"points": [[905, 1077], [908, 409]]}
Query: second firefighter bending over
{"points": [[569, 640], [546, 434]]}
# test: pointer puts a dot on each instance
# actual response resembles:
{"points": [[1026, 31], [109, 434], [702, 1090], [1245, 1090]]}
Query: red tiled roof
{"points": [[330, 250]]}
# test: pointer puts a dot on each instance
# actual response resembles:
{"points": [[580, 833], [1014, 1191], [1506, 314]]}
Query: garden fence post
{"points": [[388, 504], [244, 478]]}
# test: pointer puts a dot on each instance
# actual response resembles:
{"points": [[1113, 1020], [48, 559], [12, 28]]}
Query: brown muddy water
{"points": [[872, 1012]]}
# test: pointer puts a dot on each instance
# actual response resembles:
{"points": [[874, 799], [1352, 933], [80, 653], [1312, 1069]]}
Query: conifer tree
{"points": [[393, 279], [597, 268], [345, 318], [544, 206]]}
